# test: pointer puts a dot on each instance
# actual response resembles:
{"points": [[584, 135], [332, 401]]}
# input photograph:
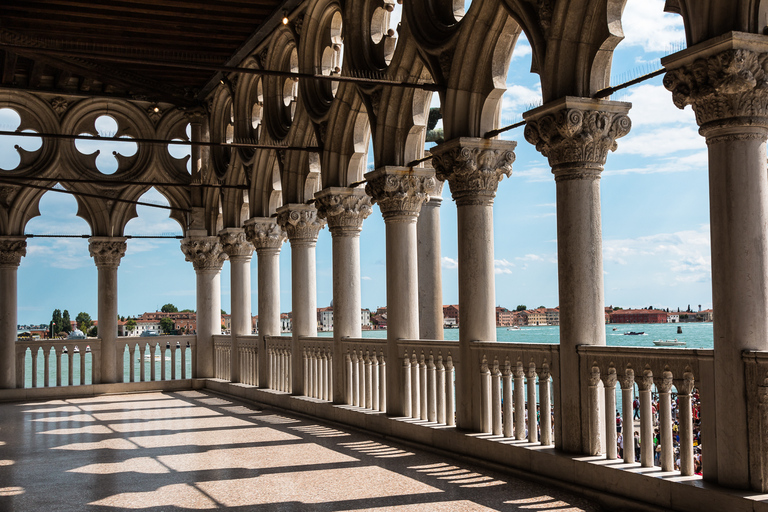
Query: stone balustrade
{"points": [[366, 373], [247, 348], [156, 358], [317, 358], [429, 386], [279, 366], [44, 352]]}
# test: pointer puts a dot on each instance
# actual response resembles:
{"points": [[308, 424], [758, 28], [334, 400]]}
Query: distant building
{"points": [[504, 317], [325, 319], [553, 316], [451, 311], [673, 318], [521, 318], [639, 316], [706, 316], [184, 322], [365, 318], [286, 322], [537, 316]]}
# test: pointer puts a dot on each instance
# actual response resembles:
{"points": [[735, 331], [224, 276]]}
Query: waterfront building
{"points": [[553, 316], [279, 102], [504, 317], [639, 316]]}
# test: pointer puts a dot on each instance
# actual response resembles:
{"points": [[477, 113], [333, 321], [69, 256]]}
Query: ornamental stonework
{"points": [[730, 87], [400, 191], [12, 249], [473, 168], [344, 209], [300, 222], [577, 136], [235, 244], [205, 253], [107, 252], [264, 233]]}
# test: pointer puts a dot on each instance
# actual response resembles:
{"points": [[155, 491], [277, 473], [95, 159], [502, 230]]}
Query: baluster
{"points": [[415, 387], [506, 380], [71, 366], [685, 419], [431, 389], [374, 380], [646, 420], [628, 429], [450, 393], [289, 365], [349, 379], [355, 380], [273, 379], [519, 402], [665, 421], [485, 397], [132, 362], [382, 382], [153, 361], [530, 383], [440, 391], [423, 390], [609, 382], [83, 354], [184, 372], [406, 398], [173, 361], [496, 398], [282, 369], [142, 363], [35, 355], [47, 367], [361, 375], [595, 445], [305, 367], [163, 364], [368, 381], [58, 366], [329, 376], [316, 363], [545, 408]]}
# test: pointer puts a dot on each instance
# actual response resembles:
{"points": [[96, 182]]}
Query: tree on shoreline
{"points": [[169, 308]]}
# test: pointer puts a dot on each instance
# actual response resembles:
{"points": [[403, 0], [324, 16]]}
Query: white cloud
{"points": [[646, 24], [535, 174], [522, 50], [696, 161], [65, 253], [503, 266], [366, 278], [519, 98], [663, 141], [652, 105], [449, 262]]}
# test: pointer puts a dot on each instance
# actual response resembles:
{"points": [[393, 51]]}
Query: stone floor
{"points": [[193, 450]]}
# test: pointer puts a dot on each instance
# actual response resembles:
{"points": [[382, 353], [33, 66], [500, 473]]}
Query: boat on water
{"points": [[633, 333], [669, 343], [615, 329], [514, 328]]}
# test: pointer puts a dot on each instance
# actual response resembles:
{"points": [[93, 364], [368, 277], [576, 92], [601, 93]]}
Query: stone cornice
{"points": [[12, 249], [264, 233], [107, 251], [300, 222], [205, 253], [473, 168], [234, 242], [344, 209], [575, 134], [400, 191], [724, 81]]}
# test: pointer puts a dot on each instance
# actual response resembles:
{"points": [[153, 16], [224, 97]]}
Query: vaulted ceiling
{"points": [[124, 47]]}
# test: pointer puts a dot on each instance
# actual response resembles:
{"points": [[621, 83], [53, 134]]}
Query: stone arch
{"points": [[705, 19], [282, 55], [221, 129], [249, 108], [36, 115], [347, 136], [313, 181]]}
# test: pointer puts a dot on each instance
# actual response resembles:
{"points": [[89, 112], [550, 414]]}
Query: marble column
{"points": [[400, 192], [301, 224], [107, 253], [239, 249], [430, 272], [207, 257], [473, 169], [575, 134], [724, 80], [12, 249], [267, 237], [344, 209]]}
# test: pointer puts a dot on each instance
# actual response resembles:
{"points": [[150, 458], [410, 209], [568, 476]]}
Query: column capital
{"points": [[646, 381], [264, 233], [685, 385], [664, 382], [343, 208], [204, 252], [107, 251], [610, 378], [300, 222], [400, 191], [627, 379], [235, 244], [575, 134], [724, 80], [473, 167], [12, 248]]}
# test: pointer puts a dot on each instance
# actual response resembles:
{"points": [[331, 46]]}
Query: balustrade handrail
{"points": [[665, 352], [47, 344]]}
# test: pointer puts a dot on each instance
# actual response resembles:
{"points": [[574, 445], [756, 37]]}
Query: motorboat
{"points": [[669, 343], [514, 328], [633, 333]]}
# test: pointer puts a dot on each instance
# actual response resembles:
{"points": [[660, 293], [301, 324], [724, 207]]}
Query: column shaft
{"points": [[430, 272], [8, 312], [269, 304], [240, 286], [107, 252]]}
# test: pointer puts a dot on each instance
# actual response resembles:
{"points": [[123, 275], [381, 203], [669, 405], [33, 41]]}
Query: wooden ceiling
{"points": [[117, 47]]}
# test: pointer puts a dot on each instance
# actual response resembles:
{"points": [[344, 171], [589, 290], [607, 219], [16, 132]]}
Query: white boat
{"points": [[514, 328], [669, 343]]}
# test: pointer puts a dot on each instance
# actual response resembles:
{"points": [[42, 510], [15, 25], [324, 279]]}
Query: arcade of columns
{"points": [[722, 75]]}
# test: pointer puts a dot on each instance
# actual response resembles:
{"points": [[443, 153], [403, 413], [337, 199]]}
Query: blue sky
{"points": [[655, 213]]}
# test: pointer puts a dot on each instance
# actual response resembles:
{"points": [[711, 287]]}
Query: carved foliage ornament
{"points": [[728, 85], [300, 224], [265, 234], [107, 253], [344, 212], [205, 253], [235, 244], [400, 193], [473, 173], [11, 251], [577, 136]]}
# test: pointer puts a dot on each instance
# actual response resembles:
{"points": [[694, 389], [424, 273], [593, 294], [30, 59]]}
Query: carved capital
{"points": [[235, 244], [628, 379], [107, 251], [205, 253], [610, 378], [646, 381], [724, 81], [12, 248], [685, 386], [594, 377], [575, 134], [400, 191], [664, 383], [264, 233], [344, 209], [544, 374], [531, 373], [473, 168], [300, 222]]}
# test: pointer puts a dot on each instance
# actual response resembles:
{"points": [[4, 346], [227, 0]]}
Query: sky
{"points": [[655, 212]]}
